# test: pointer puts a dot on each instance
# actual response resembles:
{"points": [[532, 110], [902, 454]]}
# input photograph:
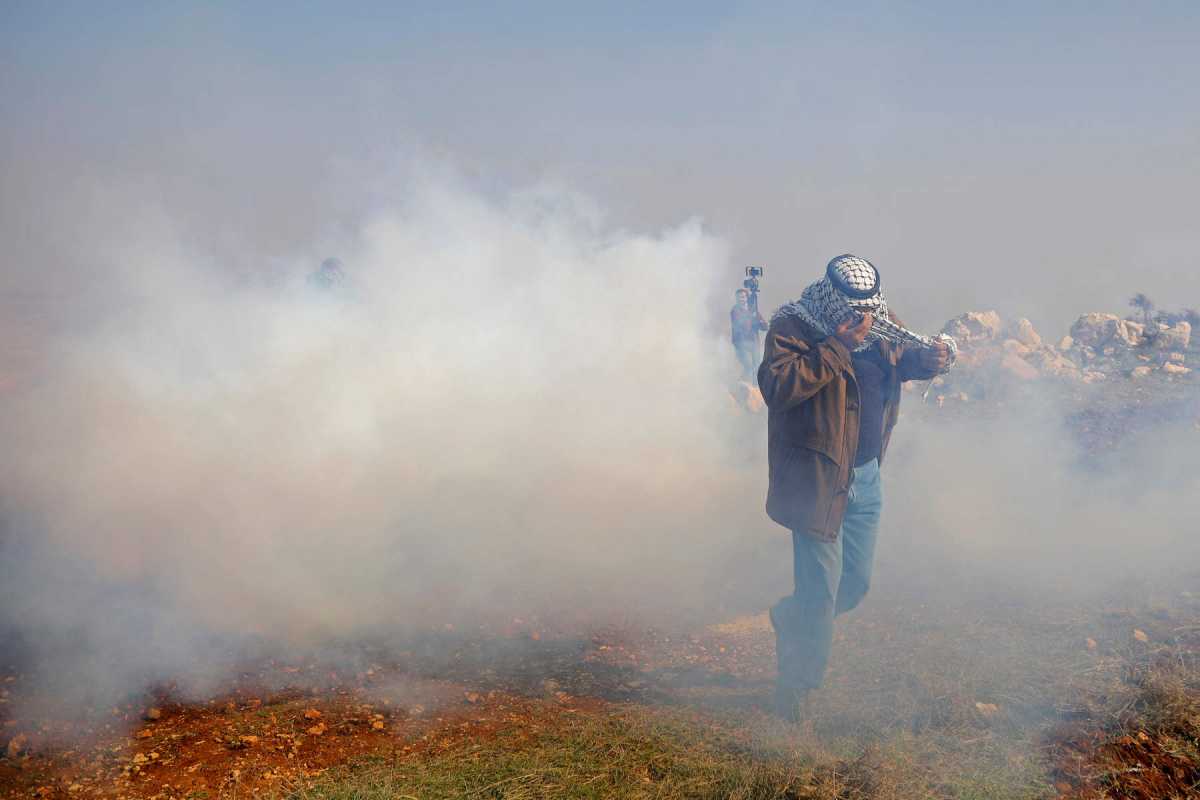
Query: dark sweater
{"points": [[871, 372]]}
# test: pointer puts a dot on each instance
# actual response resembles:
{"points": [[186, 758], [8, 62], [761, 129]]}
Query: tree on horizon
{"points": [[1144, 304]]}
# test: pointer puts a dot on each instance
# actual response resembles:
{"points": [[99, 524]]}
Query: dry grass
{"points": [[627, 754]]}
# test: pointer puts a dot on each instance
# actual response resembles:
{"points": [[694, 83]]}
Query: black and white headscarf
{"points": [[850, 285]]}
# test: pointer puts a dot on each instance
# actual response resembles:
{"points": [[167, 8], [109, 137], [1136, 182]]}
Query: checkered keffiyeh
{"points": [[850, 285]]}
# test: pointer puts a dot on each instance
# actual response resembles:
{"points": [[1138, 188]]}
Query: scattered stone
{"points": [[1066, 343], [1140, 635], [974, 327], [1175, 369], [987, 709], [1140, 372], [152, 713], [312, 713]]}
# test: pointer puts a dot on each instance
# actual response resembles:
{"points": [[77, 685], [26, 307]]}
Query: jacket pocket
{"points": [[819, 443]]}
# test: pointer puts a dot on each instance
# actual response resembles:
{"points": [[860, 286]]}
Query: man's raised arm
{"points": [[793, 370]]}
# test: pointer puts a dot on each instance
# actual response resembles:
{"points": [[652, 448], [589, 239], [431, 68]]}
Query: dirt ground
{"points": [[1035, 702]]}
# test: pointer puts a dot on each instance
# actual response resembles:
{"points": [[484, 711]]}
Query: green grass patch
{"points": [[623, 755]]}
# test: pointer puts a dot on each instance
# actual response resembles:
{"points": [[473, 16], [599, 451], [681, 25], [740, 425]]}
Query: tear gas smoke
{"points": [[514, 409]]}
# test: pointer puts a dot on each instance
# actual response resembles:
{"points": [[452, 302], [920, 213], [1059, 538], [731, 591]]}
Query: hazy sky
{"points": [[1038, 158]]}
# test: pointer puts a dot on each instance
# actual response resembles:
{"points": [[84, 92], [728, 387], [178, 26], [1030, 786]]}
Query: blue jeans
{"points": [[747, 353], [831, 578]]}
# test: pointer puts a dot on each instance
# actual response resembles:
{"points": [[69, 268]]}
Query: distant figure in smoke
{"points": [[832, 387], [745, 323], [330, 275]]}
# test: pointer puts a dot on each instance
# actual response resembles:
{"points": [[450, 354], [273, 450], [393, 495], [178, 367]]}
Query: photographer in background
{"points": [[745, 323]]}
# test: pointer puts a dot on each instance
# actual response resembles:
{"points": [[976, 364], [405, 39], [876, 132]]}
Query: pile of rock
{"points": [[993, 355], [1113, 346]]}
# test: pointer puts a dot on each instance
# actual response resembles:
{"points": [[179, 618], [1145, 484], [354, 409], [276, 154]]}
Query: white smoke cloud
{"points": [[512, 408]]}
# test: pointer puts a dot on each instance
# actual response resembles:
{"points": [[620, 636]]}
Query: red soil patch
{"points": [[243, 744]]}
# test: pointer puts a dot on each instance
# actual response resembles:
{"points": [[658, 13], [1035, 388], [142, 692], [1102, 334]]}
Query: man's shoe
{"points": [[790, 704]]}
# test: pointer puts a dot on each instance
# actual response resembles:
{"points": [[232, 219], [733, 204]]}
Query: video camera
{"points": [[751, 285]]}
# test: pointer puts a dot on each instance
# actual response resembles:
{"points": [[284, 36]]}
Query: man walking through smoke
{"points": [[832, 387]]}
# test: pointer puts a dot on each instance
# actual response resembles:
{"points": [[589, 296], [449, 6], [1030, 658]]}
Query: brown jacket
{"points": [[807, 380]]}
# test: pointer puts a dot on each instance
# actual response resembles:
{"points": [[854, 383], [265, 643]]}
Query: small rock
{"points": [[17, 745], [249, 740], [312, 713], [316, 730], [1091, 643], [1140, 372], [152, 713], [1066, 343], [1140, 635], [377, 725], [1175, 369], [987, 709]]}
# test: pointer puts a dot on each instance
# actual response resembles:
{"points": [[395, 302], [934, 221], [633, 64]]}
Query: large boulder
{"points": [[1173, 337], [1023, 331], [974, 327], [1098, 331]]}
